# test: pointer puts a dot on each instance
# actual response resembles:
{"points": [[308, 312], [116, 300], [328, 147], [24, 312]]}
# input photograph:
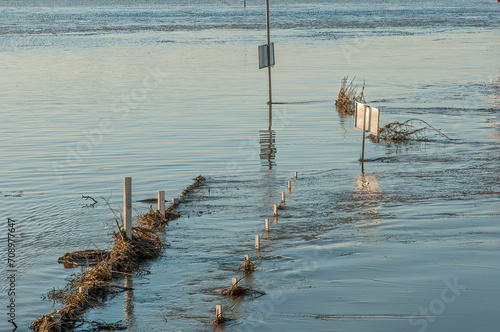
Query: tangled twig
{"points": [[91, 204], [400, 132]]}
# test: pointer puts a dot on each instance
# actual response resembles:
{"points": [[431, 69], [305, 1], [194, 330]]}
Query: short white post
{"points": [[295, 176], [83, 290], [275, 210], [282, 198], [175, 201], [235, 281], [289, 185], [127, 206], [257, 242], [218, 311], [266, 224], [247, 258], [161, 202]]}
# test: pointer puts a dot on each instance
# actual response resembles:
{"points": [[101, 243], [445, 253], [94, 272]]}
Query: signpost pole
{"points": [[364, 129], [269, 63]]}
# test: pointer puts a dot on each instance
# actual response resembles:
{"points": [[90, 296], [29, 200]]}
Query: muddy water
{"points": [[93, 93]]}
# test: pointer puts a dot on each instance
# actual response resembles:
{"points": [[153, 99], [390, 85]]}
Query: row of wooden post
{"points": [[127, 204], [218, 308], [127, 222], [275, 213]]}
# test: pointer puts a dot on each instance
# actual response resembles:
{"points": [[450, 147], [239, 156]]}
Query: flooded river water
{"points": [[162, 92]]}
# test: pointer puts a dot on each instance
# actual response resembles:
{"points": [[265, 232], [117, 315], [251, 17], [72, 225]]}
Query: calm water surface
{"points": [[93, 92]]}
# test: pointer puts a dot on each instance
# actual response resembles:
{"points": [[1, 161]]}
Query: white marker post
{"points": [[175, 201], [127, 206], [289, 186], [295, 176], [283, 198], [266, 224], [235, 281], [161, 202], [83, 290], [275, 210], [218, 311], [257, 242]]}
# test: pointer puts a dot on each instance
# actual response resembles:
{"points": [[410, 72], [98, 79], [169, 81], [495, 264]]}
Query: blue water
{"points": [[93, 92]]}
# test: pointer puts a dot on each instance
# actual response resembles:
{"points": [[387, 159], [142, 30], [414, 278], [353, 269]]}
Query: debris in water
{"points": [[236, 290], [219, 319], [247, 266], [91, 205], [127, 255], [348, 96], [400, 132], [83, 258]]}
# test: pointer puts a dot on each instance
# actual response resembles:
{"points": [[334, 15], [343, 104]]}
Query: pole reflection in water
{"points": [[128, 303], [267, 140], [367, 194]]}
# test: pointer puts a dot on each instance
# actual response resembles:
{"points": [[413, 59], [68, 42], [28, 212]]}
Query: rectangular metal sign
{"points": [[374, 121], [359, 116], [371, 120], [264, 50]]}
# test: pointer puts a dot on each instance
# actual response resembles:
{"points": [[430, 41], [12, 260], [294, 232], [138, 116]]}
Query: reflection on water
{"points": [[494, 93], [267, 140], [368, 196], [128, 300], [366, 183]]}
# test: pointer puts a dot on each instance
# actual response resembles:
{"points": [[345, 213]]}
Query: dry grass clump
{"points": [[44, 323], [219, 320], [348, 96], [235, 290], [75, 304], [154, 219], [247, 266], [126, 256], [189, 189], [85, 257], [96, 279]]}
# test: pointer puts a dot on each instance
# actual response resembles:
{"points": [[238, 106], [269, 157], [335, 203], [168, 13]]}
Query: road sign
{"points": [[370, 116], [367, 119], [266, 56]]}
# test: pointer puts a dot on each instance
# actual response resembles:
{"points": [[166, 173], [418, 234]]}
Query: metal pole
{"points": [[269, 62], [127, 206], [364, 128]]}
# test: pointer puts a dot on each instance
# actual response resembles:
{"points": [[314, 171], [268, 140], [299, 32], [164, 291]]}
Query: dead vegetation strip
{"points": [[93, 286]]}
